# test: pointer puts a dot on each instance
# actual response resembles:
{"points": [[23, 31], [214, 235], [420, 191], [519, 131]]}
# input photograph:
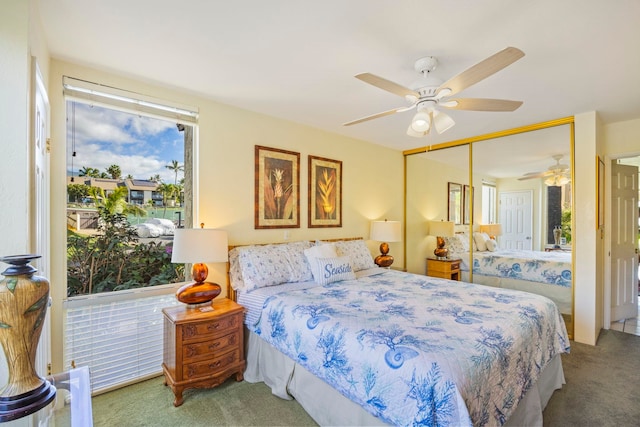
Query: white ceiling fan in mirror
{"points": [[556, 175], [429, 94]]}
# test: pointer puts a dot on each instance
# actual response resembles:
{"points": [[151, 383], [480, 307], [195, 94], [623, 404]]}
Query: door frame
{"points": [[606, 236]]}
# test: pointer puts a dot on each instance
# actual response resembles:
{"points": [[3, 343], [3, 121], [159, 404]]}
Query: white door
{"points": [[40, 224], [515, 214], [624, 241]]}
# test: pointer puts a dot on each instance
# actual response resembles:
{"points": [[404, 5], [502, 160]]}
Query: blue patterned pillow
{"points": [[358, 252], [334, 270]]}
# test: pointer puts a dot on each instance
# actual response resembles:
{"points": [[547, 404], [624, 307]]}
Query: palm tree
{"points": [[155, 178], [175, 167], [90, 172], [114, 171], [167, 191]]}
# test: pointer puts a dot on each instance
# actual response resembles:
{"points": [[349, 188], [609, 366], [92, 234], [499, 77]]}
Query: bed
{"points": [[360, 345], [544, 273]]}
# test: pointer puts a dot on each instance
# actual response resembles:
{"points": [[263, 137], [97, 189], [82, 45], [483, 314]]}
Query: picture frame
{"points": [[466, 204], [277, 188], [600, 192], [454, 203], [325, 192]]}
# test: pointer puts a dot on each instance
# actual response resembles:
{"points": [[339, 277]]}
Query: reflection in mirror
{"points": [[527, 191], [428, 178], [522, 198], [454, 210]]}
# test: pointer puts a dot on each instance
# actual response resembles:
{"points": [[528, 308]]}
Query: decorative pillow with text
{"points": [[334, 270]]}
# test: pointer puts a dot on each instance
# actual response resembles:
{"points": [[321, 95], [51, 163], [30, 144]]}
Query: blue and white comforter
{"points": [[553, 268], [416, 350]]}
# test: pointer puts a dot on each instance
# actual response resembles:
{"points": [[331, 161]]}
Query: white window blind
{"points": [[118, 335], [107, 96]]}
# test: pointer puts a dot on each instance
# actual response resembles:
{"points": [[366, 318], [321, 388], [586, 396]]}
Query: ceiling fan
{"points": [[428, 93], [557, 174]]}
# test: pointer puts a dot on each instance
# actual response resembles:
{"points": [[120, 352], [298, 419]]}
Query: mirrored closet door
{"points": [[509, 197]]}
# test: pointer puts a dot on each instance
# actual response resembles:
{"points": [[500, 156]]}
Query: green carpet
{"points": [[603, 389]]}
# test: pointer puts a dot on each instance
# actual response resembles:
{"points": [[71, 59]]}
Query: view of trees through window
{"points": [[125, 197]]}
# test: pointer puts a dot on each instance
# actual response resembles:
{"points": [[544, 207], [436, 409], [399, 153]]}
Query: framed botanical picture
{"points": [[325, 192], [277, 198]]}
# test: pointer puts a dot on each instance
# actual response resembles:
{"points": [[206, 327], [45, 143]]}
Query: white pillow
{"points": [[492, 245], [323, 250], [270, 265], [358, 251], [235, 271], [465, 237], [334, 270], [481, 241]]}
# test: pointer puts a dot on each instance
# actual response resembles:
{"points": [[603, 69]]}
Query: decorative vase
{"points": [[23, 301], [557, 232]]}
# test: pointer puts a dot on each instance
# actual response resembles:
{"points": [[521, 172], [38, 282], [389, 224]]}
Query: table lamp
{"points": [[493, 230], [385, 231], [441, 229], [198, 246]]}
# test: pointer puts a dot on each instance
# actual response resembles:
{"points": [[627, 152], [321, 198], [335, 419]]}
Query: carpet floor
{"points": [[602, 389]]}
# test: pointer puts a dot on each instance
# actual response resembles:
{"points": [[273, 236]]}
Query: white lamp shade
{"points": [[421, 122], [442, 121], [491, 229], [441, 228], [199, 245], [386, 231]]}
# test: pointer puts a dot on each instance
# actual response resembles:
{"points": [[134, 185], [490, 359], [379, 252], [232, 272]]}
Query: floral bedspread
{"points": [[417, 350], [553, 268]]}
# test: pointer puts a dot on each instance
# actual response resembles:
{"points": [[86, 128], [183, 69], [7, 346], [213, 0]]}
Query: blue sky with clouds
{"points": [[141, 146]]}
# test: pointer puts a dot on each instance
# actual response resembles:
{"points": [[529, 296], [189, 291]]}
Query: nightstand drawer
{"points": [[205, 349], [212, 366], [204, 330], [446, 268]]}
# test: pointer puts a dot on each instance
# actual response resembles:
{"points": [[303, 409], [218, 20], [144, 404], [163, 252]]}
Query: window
{"points": [[129, 184], [489, 203], [559, 214]]}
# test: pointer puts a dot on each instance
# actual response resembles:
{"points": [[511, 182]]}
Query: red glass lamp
{"points": [[198, 246]]}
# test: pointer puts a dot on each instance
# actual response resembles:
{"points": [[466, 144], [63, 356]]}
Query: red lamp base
{"points": [[198, 293]]}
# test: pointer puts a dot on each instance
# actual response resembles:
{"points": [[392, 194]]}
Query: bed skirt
{"points": [[561, 295], [289, 380]]}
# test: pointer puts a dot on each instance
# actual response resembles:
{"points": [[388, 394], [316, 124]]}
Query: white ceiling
{"points": [[296, 59]]}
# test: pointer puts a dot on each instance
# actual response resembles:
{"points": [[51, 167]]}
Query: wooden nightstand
{"points": [[202, 348], [447, 268]]}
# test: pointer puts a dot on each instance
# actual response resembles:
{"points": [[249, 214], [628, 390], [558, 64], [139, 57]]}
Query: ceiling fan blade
{"points": [[377, 115], [532, 175], [481, 104], [481, 70], [387, 85]]}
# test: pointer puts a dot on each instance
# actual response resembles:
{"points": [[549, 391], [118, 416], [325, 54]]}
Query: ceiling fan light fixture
{"points": [[442, 122], [421, 121], [557, 181], [414, 133]]}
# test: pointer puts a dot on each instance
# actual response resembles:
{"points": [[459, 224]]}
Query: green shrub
{"points": [[114, 259]]}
